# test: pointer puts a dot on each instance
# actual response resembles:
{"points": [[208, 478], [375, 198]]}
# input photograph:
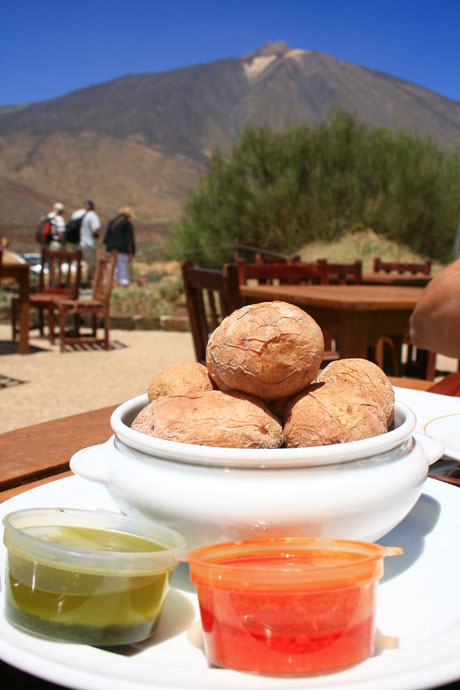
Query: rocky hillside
{"points": [[144, 139]]}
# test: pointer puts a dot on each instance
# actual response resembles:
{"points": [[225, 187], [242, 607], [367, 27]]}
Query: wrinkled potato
{"points": [[270, 350], [367, 377], [212, 418], [277, 406], [330, 412], [180, 379]]}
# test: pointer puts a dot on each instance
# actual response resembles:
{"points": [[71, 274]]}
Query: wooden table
{"points": [[407, 279], [355, 315], [40, 453], [20, 274]]}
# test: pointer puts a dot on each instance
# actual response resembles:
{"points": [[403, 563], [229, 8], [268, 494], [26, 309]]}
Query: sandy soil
{"points": [[54, 384]]}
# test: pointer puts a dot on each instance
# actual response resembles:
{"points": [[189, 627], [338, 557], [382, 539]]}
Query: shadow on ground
{"points": [[8, 382], [10, 347], [94, 347]]}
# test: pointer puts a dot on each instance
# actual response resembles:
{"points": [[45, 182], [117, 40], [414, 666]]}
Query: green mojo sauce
{"points": [[98, 608]]}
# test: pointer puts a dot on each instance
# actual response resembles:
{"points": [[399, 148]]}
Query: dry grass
{"points": [[364, 245]]}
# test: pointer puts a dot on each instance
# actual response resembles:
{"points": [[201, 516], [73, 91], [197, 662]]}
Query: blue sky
{"points": [[49, 48]]}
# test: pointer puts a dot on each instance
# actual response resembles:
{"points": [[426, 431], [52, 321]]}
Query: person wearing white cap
{"points": [[89, 232], [56, 217]]}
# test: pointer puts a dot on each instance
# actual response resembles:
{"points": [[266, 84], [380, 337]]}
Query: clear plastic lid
{"points": [[288, 563], [90, 541]]}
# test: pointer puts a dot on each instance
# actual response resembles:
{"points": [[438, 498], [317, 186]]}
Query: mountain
{"points": [[144, 139]]}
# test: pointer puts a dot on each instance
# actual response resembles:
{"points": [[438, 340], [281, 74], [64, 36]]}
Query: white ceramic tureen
{"points": [[358, 490]]}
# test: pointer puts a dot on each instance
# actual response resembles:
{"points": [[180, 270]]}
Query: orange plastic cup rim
{"points": [[336, 562]]}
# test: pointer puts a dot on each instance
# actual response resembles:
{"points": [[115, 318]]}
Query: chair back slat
{"points": [[267, 259], [307, 273], [343, 273], [214, 312], [211, 296], [402, 267], [103, 275], [60, 273], [199, 323]]}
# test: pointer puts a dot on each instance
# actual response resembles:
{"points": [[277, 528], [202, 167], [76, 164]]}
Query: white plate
{"points": [[418, 617], [447, 430]]}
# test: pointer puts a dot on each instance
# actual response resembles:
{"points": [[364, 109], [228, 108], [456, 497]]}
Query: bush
{"points": [[281, 190], [138, 301], [170, 288]]}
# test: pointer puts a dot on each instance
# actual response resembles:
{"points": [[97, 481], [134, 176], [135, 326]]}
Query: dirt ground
{"points": [[48, 384]]}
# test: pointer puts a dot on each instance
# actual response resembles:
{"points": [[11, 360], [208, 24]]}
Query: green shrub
{"points": [[153, 277], [138, 301], [170, 288], [281, 190]]}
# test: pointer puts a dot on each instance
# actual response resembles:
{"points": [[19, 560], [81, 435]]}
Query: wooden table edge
{"points": [[43, 451]]}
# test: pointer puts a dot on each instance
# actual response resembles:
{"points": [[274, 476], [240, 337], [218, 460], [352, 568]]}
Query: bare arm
{"points": [[435, 321]]}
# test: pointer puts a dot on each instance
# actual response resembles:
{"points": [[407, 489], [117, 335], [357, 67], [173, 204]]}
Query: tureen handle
{"points": [[433, 448], [91, 463]]}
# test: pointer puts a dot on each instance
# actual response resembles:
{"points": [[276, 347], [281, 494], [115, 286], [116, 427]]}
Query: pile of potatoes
{"points": [[262, 387]]}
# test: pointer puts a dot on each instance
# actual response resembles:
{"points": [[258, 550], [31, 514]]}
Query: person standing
{"points": [[89, 232], [120, 236], [56, 218]]}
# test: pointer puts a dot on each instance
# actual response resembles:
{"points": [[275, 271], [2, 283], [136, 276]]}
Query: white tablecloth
{"points": [[427, 406]]}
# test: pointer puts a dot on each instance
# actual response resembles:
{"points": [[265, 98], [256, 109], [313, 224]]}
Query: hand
{"points": [[435, 321]]}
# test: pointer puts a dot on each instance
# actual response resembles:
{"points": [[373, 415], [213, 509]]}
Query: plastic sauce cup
{"points": [[289, 606], [92, 577]]}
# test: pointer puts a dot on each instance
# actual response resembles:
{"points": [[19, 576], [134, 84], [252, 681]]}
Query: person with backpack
{"points": [[50, 232], [83, 233], [120, 236]]}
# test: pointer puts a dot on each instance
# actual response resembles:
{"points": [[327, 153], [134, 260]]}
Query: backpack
{"points": [[72, 229], [43, 233]]}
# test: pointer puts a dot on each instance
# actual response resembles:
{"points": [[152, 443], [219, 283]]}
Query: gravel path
{"points": [[54, 384]]}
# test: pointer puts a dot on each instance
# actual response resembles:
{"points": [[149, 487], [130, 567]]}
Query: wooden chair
{"points": [[60, 277], [295, 273], [424, 362], [402, 267], [211, 296], [97, 305], [383, 350], [261, 258], [343, 273]]}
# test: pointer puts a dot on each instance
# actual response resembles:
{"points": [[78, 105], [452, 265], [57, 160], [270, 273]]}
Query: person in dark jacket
{"points": [[120, 236]]}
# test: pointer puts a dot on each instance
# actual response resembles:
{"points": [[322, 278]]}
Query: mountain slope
{"points": [[145, 139]]}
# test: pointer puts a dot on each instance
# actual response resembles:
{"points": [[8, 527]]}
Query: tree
{"points": [[280, 190]]}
